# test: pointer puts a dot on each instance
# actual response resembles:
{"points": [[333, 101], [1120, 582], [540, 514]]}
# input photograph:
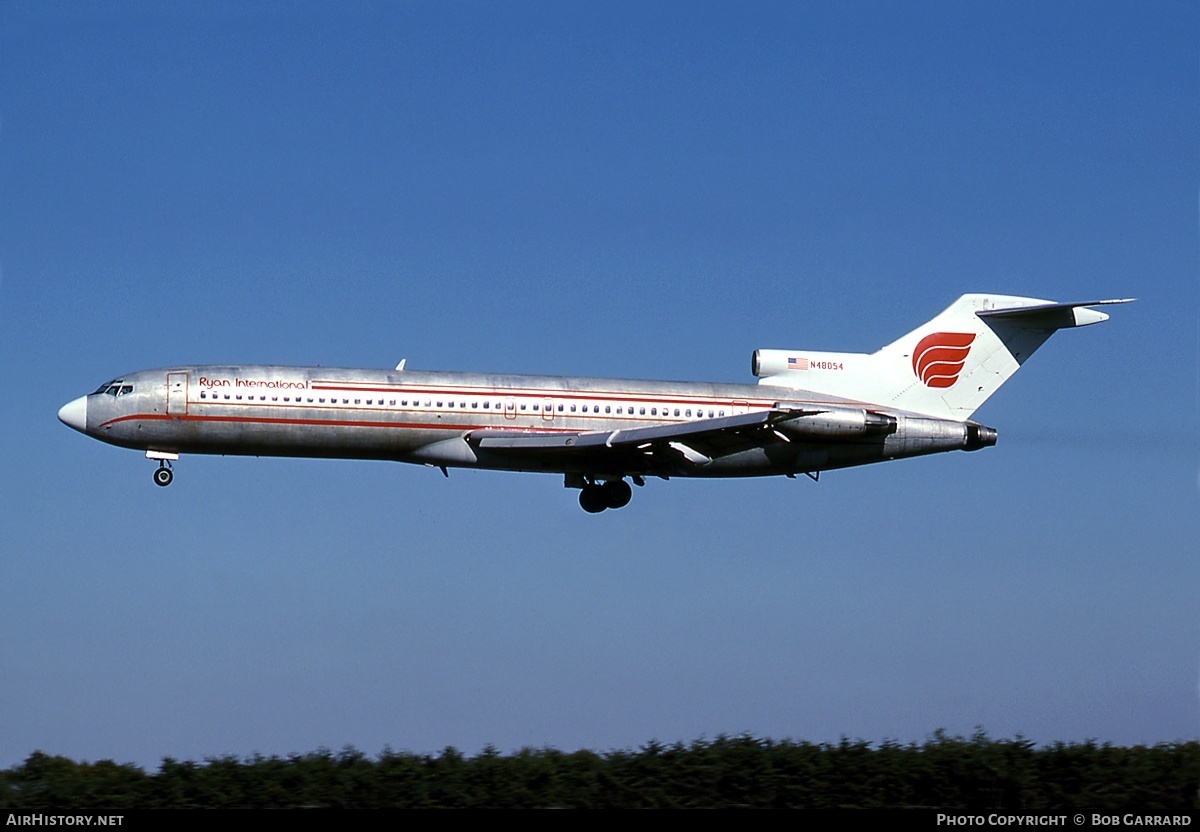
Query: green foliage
{"points": [[975, 774], [60, 783]]}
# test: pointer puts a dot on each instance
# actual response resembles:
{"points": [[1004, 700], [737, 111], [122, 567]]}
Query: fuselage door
{"points": [[510, 409], [177, 393]]}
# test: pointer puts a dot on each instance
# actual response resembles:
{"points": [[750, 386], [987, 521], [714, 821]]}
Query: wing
{"points": [[663, 448]]}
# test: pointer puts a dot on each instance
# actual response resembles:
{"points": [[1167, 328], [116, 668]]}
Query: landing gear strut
{"points": [[163, 475], [595, 497]]}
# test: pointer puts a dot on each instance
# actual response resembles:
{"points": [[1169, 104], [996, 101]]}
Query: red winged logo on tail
{"points": [[939, 357]]}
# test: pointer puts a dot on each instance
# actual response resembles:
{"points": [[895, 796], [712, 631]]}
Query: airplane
{"points": [[809, 412]]}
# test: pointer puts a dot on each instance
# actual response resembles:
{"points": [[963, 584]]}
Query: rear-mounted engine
{"points": [[838, 424], [979, 436]]}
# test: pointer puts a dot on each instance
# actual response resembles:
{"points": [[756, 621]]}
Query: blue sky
{"points": [[631, 190]]}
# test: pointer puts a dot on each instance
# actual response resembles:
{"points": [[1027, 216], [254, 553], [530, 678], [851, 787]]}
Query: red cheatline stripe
{"points": [[650, 399], [330, 422]]}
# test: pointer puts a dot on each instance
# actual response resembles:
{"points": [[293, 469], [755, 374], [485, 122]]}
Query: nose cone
{"points": [[74, 414]]}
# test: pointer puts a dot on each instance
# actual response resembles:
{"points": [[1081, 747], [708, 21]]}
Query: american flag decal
{"points": [[797, 363], [939, 358]]}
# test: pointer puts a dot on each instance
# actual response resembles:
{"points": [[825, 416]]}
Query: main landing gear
{"points": [[597, 496]]}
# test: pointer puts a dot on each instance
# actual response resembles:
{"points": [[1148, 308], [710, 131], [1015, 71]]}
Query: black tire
{"points": [[617, 494], [592, 499], [163, 477]]}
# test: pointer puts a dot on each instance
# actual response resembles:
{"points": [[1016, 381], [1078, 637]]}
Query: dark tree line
{"points": [[975, 774]]}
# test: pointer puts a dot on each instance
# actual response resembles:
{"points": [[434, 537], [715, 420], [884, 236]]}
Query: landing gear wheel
{"points": [[593, 499], [163, 476], [617, 493]]}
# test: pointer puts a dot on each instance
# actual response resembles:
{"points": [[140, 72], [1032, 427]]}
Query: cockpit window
{"points": [[113, 388]]}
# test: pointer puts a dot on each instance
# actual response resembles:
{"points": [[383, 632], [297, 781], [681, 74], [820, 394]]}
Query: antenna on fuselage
{"points": [[400, 366]]}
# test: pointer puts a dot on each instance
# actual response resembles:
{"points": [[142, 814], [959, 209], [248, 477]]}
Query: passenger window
{"points": [[677, 411]]}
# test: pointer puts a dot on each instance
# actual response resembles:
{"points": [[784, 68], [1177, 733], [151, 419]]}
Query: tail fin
{"points": [[945, 368]]}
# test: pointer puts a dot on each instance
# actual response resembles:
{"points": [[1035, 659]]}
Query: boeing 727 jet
{"points": [[809, 412]]}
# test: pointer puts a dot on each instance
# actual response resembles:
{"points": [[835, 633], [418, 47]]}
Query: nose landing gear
{"points": [[163, 474]]}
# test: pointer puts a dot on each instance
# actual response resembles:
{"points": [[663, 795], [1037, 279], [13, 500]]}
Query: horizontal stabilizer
{"points": [[1055, 315]]}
